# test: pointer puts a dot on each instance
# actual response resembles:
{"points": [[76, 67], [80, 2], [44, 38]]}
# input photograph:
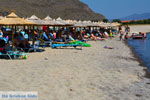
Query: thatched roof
{"points": [[13, 19], [53, 22], [36, 20], [33, 17], [49, 21], [48, 18]]}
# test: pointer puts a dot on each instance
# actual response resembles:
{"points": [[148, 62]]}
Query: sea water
{"points": [[142, 49]]}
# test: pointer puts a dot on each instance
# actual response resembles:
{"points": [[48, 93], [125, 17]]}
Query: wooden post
{"points": [[24, 27], [33, 40], [13, 33]]}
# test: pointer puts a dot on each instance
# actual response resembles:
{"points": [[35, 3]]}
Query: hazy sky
{"points": [[119, 8]]}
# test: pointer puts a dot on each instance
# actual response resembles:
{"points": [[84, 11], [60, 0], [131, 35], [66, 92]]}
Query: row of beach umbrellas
{"points": [[13, 19]]}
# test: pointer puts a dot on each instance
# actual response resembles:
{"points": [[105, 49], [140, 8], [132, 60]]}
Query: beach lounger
{"points": [[32, 48], [13, 55], [5, 55], [66, 45], [80, 43]]}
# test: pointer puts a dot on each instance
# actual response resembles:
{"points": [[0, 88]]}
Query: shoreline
{"points": [[142, 64]]}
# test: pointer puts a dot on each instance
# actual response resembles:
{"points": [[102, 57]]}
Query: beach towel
{"points": [[106, 47], [80, 43], [64, 45]]}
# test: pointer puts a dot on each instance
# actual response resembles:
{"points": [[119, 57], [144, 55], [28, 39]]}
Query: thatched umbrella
{"points": [[71, 21], [48, 18], [63, 22], [50, 22], [115, 24], [13, 19], [102, 24], [36, 20], [80, 24]]}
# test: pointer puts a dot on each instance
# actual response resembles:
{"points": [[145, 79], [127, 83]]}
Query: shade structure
{"points": [[71, 21], [63, 22], [13, 19], [91, 24], [80, 24], [115, 24], [36, 20], [48, 18], [49, 21], [102, 24], [52, 22]]}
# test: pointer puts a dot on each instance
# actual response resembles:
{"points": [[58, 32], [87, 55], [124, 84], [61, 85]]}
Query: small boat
{"points": [[139, 36]]}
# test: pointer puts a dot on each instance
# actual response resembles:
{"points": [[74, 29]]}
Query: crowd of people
{"points": [[59, 35], [21, 37], [125, 33], [27, 38]]}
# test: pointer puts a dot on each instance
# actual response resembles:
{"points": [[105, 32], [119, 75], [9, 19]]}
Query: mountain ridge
{"points": [[137, 17], [66, 9]]}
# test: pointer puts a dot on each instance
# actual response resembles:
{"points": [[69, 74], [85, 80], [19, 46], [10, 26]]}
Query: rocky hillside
{"points": [[66, 9]]}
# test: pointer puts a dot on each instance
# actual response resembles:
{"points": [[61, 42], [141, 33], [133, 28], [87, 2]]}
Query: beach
{"points": [[94, 73], [140, 28]]}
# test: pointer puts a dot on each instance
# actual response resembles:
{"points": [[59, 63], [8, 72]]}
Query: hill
{"points": [[66, 9], [137, 17]]}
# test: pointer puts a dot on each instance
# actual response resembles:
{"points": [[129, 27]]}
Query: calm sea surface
{"points": [[142, 49]]}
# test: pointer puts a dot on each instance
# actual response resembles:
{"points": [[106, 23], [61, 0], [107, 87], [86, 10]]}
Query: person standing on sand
{"points": [[121, 35], [119, 29], [127, 29]]}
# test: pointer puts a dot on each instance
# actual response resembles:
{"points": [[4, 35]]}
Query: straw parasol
{"points": [[115, 24], [13, 19], [36, 20], [51, 22], [80, 24], [71, 21], [63, 22], [48, 18], [102, 24]]}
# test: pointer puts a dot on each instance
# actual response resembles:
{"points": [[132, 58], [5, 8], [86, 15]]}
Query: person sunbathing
{"points": [[1, 33], [93, 37], [20, 41]]}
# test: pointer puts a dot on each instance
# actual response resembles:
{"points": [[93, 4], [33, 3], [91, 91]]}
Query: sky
{"points": [[114, 9]]}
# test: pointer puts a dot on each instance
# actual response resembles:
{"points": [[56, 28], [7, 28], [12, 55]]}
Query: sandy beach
{"points": [[140, 28], [93, 73]]}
